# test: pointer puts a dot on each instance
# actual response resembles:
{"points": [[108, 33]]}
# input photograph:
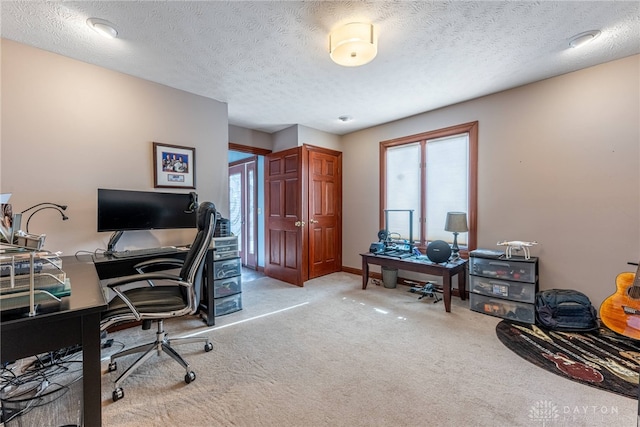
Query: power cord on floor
{"points": [[30, 383]]}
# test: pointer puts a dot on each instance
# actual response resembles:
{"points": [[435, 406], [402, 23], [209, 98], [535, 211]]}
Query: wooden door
{"points": [[325, 211], [286, 257]]}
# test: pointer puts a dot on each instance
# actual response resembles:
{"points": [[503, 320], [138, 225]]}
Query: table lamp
{"points": [[456, 223]]}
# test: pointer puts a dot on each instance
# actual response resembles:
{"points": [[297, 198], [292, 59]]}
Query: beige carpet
{"points": [[331, 354]]}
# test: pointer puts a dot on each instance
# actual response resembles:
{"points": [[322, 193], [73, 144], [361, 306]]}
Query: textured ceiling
{"points": [[269, 60]]}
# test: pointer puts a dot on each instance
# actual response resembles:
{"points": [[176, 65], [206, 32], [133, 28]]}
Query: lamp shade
{"points": [[456, 222], [353, 44]]}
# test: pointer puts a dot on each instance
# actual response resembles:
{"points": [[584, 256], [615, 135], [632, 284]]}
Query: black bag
{"points": [[565, 310]]}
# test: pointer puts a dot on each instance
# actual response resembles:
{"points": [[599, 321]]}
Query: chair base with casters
{"points": [[160, 345]]}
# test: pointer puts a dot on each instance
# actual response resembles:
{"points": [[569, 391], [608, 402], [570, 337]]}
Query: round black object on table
{"points": [[439, 251]]}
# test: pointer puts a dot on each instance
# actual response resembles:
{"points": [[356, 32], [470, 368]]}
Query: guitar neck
{"points": [[634, 289]]}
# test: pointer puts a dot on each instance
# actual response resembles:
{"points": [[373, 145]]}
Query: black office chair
{"points": [[161, 295]]}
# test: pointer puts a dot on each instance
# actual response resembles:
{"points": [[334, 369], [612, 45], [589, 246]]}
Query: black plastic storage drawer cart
{"points": [[227, 286], [503, 287], [226, 275]]}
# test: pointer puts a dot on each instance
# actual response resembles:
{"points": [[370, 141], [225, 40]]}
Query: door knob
{"points": [[313, 221], [299, 224]]}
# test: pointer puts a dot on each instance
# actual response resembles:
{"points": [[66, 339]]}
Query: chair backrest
{"points": [[194, 262]]}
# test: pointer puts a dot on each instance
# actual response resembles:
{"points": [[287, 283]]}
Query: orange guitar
{"points": [[621, 311]]}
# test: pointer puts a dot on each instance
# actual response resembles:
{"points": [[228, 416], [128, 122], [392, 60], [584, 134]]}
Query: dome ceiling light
{"points": [[354, 44]]}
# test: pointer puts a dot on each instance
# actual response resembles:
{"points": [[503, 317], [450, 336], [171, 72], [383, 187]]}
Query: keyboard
{"points": [[145, 252]]}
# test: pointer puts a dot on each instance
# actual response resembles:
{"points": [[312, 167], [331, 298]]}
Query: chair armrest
{"points": [[171, 262], [144, 277]]}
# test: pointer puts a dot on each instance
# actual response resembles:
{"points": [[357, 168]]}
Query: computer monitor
{"points": [[125, 210]]}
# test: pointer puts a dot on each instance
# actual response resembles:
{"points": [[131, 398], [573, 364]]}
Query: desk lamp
{"points": [[45, 205], [456, 223], [63, 207]]}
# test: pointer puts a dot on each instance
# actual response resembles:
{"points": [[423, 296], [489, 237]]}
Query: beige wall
{"points": [[559, 159], [310, 136], [250, 137], [69, 128], [285, 139], [297, 135], [559, 163]]}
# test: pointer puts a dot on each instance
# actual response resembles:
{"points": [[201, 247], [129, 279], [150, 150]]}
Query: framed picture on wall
{"points": [[174, 166]]}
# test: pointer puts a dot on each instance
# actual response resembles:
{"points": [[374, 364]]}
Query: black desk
{"points": [[77, 322], [446, 271], [110, 267]]}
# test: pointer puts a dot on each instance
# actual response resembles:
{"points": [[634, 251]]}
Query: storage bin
{"points": [[227, 305], [226, 287], [227, 268], [515, 269], [224, 243], [224, 247], [218, 255], [516, 291], [512, 310]]}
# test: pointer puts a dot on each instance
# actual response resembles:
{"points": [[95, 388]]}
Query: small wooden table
{"points": [[421, 265]]}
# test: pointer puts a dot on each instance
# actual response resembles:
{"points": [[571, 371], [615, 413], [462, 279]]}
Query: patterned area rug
{"points": [[600, 359]]}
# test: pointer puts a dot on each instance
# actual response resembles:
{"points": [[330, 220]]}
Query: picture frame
{"points": [[174, 166], [6, 223]]}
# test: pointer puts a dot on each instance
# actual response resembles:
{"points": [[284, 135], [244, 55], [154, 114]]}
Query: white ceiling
{"points": [[269, 60]]}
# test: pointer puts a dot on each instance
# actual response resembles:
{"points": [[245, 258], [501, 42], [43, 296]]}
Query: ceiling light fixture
{"points": [[102, 27], [583, 38], [353, 44], [345, 119]]}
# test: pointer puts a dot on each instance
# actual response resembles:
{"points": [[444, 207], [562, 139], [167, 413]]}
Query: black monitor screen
{"points": [[122, 210]]}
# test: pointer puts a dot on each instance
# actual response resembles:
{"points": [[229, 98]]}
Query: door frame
{"points": [[258, 152], [248, 217]]}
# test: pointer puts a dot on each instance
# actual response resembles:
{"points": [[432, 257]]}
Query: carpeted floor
{"points": [[332, 354], [599, 359]]}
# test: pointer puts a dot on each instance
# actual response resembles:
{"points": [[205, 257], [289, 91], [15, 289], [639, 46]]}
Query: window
{"points": [[431, 173]]}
